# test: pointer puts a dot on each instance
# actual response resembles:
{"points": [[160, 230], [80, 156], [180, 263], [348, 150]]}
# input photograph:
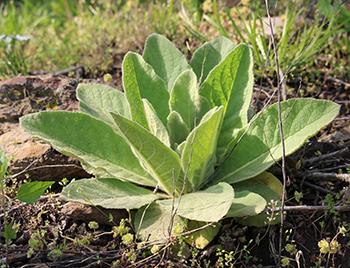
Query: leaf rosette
{"points": [[178, 144]]}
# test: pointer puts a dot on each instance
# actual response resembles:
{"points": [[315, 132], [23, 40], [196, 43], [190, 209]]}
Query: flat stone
{"points": [[28, 94], [45, 163]]}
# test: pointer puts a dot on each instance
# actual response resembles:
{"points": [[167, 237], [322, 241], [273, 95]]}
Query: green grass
{"points": [[301, 37], [96, 34], [67, 33]]}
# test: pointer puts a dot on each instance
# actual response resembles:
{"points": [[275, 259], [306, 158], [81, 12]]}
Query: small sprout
{"points": [[291, 248], [84, 241], [132, 256], [334, 247], [110, 217], [328, 247], [127, 239], [323, 246], [54, 254], [178, 229], [342, 230], [155, 249], [298, 196], [10, 232], [107, 78], [285, 262], [121, 229], [93, 225], [64, 182]]}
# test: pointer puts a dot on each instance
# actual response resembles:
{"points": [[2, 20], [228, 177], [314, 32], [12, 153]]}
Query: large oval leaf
{"points": [[230, 84], [198, 154], [260, 146], [155, 223], [108, 193], [99, 100], [207, 56], [159, 160], [140, 81], [246, 203], [167, 61], [270, 188], [90, 140], [209, 205]]}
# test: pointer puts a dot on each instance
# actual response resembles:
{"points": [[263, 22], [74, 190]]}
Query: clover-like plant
{"points": [[178, 145]]}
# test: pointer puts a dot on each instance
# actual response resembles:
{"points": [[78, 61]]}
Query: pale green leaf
{"points": [[260, 146], [270, 188], [99, 100], [184, 97], [198, 155], [207, 56], [140, 81], [30, 192], [177, 128], [209, 205], [155, 125], [202, 237], [153, 223], [167, 61], [161, 162], [246, 203], [90, 140], [109, 193], [230, 84]]}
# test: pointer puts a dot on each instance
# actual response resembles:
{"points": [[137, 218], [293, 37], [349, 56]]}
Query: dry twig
{"points": [[280, 125]]}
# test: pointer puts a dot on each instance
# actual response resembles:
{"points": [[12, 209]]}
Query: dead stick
{"points": [[328, 176], [306, 208], [280, 89], [326, 156]]}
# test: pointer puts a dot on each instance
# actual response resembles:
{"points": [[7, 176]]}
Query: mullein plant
{"points": [[177, 147]]}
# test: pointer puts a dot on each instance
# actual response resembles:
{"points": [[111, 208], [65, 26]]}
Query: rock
{"points": [[45, 163], [24, 95], [85, 213]]}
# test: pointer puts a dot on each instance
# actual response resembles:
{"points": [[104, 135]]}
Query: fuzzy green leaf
{"points": [[207, 56], [159, 160], [230, 84], [140, 81], [108, 193], [184, 97], [267, 186], [209, 205], [90, 140], [198, 154], [152, 223], [246, 203], [167, 61], [260, 147], [155, 125], [177, 128], [99, 100]]}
